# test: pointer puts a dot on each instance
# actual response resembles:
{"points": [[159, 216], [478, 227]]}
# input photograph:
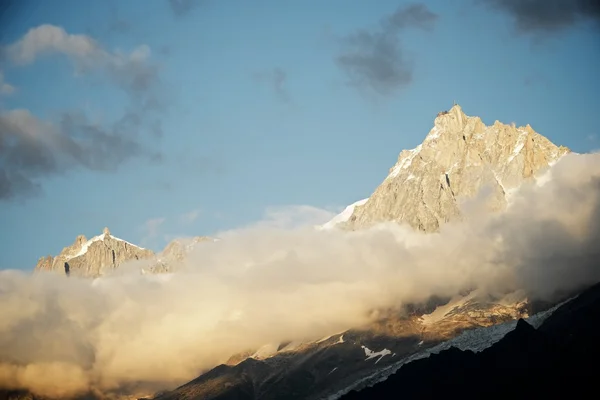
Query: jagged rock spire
{"points": [[457, 158]]}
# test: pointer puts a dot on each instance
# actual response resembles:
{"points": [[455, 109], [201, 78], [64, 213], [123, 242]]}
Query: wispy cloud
{"points": [[375, 59], [547, 16], [276, 79], [293, 217], [133, 71], [152, 229], [189, 217], [181, 8]]}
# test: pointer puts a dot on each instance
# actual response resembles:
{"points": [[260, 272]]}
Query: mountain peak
{"points": [[455, 111], [93, 257], [457, 158], [80, 239]]}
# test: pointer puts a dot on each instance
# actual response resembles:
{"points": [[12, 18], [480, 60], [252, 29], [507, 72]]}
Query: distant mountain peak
{"points": [[104, 253], [93, 257]]}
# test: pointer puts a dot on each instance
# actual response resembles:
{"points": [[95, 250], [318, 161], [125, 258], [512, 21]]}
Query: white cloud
{"points": [[152, 229], [132, 71], [48, 39], [189, 217], [293, 216]]}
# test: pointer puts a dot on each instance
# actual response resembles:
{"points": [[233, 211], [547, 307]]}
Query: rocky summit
{"points": [[105, 253], [459, 157], [94, 257]]}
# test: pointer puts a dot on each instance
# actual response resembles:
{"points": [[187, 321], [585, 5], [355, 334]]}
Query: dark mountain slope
{"points": [[558, 360]]}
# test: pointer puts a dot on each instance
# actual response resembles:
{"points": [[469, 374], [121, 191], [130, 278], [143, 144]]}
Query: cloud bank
{"points": [[266, 284]]}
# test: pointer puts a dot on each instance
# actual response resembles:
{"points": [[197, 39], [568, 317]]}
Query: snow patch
{"points": [[476, 340], [341, 339], [520, 144], [433, 133], [85, 246], [440, 312], [265, 351], [344, 215], [129, 243], [372, 354], [509, 194], [405, 162]]}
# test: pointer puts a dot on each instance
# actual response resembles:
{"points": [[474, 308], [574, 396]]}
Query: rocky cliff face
{"points": [[459, 157], [94, 257]]}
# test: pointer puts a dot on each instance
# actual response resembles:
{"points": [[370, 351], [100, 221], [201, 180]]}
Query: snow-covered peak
{"points": [[344, 215], [86, 245]]}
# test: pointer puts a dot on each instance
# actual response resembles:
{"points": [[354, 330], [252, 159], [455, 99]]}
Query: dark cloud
{"points": [[411, 16], [276, 79], [375, 59], [546, 16], [31, 150], [184, 7]]}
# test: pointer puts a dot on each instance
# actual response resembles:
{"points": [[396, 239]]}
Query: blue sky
{"points": [[234, 111]]}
